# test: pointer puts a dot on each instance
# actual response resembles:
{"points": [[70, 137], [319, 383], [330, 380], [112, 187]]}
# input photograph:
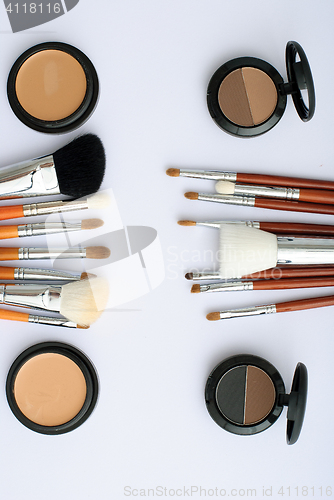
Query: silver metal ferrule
{"points": [[53, 207], [206, 276], [43, 228], [267, 191], [217, 224], [30, 178], [305, 251], [26, 273], [48, 320], [213, 175], [248, 201], [51, 253], [248, 311], [228, 286], [35, 296]]}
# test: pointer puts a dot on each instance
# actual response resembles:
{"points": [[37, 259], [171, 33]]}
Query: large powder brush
{"points": [[75, 170]]}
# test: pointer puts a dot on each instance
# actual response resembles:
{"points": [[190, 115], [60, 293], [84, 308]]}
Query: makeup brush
{"points": [[253, 201], [82, 302], [33, 318], [268, 180], [278, 284], [308, 195], [292, 228], [246, 250], [16, 253], [274, 273], [43, 228], [75, 170], [27, 273], [293, 305], [95, 202]]}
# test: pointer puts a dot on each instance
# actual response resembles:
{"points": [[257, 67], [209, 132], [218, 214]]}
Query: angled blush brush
{"points": [[95, 202], [282, 193], [34, 318], [271, 284], [267, 180], [17, 253], [254, 201], [293, 305], [43, 228], [75, 170]]}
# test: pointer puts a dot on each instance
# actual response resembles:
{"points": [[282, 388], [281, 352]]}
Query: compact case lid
{"points": [[300, 78], [296, 404]]}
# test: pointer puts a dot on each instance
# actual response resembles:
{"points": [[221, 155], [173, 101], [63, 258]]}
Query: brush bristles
{"points": [[97, 252], [245, 250], [186, 223], [173, 172], [189, 276], [213, 316], [195, 289], [83, 327], [191, 195], [84, 301], [91, 223], [225, 187], [86, 276], [98, 201], [80, 166]]}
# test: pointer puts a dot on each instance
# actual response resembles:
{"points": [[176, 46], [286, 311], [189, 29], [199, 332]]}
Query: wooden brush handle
{"points": [[299, 305], [13, 315], [277, 273], [286, 284], [7, 253], [294, 206], [317, 196], [276, 180], [11, 212], [298, 228], [7, 273], [7, 232]]}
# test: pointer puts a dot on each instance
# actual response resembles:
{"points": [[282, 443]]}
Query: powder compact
{"points": [[245, 394], [247, 96], [53, 87], [52, 388]]}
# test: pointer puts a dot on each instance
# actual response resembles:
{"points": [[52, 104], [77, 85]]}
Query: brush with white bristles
{"points": [[245, 250], [82, 302]]}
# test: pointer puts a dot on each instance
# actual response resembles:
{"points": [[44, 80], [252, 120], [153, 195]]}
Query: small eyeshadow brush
{"points": [[16, 253], [75, 170], [27, 273], [43, 228], [293, 305], [268, 180], [34, 318]]}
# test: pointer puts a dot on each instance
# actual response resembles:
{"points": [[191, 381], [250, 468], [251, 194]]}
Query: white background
{"points": [[150, 427]]}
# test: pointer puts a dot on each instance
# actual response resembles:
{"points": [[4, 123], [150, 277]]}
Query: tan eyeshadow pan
{"points": [[51, 85], [259, 395], [50, 389]]}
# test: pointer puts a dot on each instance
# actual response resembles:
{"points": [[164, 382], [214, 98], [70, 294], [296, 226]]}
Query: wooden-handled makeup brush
{"points": [[268, 180], [75, 170], [245, 250], [282, 193], [82, 302], [17, 253], [34, 318], [278, 284], [97, 201], [293, 305], [43, 228], [254, 201], [292, 228], [33, 274], [274, 273]]}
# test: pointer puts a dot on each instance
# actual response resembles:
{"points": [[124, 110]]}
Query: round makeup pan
{"points": [[53, 87], [247, 96], [245, 395], [52, 388]]}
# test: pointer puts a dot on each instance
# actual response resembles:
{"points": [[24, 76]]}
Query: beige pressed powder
{"points": [[50, 389], [51, 85]]}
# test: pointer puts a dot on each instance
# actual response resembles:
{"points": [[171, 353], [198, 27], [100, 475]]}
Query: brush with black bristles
{"points": [[75, 170]]}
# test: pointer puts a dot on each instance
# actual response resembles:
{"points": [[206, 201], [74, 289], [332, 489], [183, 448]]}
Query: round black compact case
{"points": [[245, 395], [53, 87], [52, 388], [247, 96]]}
